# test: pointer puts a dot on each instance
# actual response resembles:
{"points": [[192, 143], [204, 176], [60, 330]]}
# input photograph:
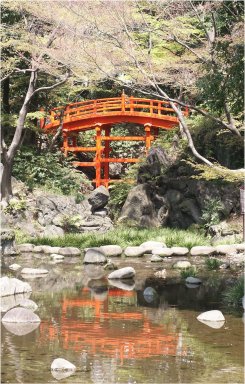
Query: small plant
{"points": [[212, 263], [211, 212], [118, 196], [233, 295], [15, 206], [191, 271]]}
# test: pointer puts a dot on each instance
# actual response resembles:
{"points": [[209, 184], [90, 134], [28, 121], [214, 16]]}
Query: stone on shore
{"points": [[226, 249], [149, 246], [202, 251], [69, 251], [99, 198], [122, 273], [25, 248], [14, 267], [12, 286], [180, 251], [94, 256], [134, 251], [162, 251], [111, 250]]}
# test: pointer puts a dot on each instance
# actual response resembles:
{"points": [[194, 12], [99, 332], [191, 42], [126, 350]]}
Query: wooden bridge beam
{"points": [[98, 155], [106, 155], [148, 137]]}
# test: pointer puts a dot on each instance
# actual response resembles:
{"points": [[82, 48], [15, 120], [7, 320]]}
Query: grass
{"points": [[191, 271], [233, 295], [212, 263], [125, 236]]}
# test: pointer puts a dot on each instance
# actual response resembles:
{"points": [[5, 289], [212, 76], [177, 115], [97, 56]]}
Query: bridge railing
{"points": [[124, 104]]}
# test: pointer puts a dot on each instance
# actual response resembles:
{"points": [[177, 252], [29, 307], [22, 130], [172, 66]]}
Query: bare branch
{"points": [[52, 86]]}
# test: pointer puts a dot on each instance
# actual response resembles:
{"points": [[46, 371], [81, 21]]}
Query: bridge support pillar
{"points": [[98, 156], [147, 137], [107, 154], [65, 143]]}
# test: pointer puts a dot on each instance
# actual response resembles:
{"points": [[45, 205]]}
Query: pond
{"points": [[142, 331]]}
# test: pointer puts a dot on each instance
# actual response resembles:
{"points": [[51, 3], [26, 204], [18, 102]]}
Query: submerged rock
{"points": [[155, 258], [12, 286], [122, 273]]}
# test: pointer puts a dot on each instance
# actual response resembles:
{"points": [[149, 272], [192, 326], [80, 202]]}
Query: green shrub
{"points": [[211, 212], [212, 263], [50, 170], [191, 271], [15, 206], [233, 295]]}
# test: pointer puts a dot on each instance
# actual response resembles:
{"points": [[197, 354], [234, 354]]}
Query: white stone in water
{"points": [[20, 315], [148, 246], [193, 280], [62, 365], [122, 273], [8, 302], [56, 256], [214, 315], [29, 304], [182, 264], [34, 271], [12, 286]]}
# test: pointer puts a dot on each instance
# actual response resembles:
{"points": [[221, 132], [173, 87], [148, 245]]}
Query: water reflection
{"points": [[104, 327]]}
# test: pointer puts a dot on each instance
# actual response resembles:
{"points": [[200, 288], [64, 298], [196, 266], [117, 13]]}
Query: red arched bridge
{"points": [[100, 115]]}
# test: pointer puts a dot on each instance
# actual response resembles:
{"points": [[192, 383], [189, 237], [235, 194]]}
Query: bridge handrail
{"points": [[123, 104]]}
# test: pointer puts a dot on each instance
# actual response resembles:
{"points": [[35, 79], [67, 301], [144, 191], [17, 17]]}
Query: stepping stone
{"points": [[202, 251], [149, 246], [62, 365], [20, 315], [162, 251], [134, 251], [226, 249], [156, 258], [111, 250], [12, 286], [69, 251], [180, 251], [34, 271], [94, 256], [25, 248]]}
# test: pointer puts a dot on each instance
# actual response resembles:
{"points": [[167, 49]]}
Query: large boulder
{"points": [[7, 242], [144, 207], [52, 230], [99, 198], [12, 286], [122, 273]]}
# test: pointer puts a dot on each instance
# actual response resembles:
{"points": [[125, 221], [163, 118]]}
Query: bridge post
{"points": [[65, 143], [98, 156], [107, 153], [147, 137]]}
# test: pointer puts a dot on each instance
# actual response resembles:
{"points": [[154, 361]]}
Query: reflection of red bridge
{"points": [[116, 334], [100, 115]]}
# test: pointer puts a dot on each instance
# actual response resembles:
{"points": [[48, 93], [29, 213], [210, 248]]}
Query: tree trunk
{"points": [[5, 179], [5, 96]]}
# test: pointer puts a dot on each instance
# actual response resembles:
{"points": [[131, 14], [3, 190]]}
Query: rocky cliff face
{"points": [[172, 198]]}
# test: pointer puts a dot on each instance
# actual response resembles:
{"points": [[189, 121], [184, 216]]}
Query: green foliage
{"points": [[118, 196], [15, 206], [71, 223], [191, 271], [233, 295], [216, 173], [52, 171], [212, 263], [211, 212]]}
